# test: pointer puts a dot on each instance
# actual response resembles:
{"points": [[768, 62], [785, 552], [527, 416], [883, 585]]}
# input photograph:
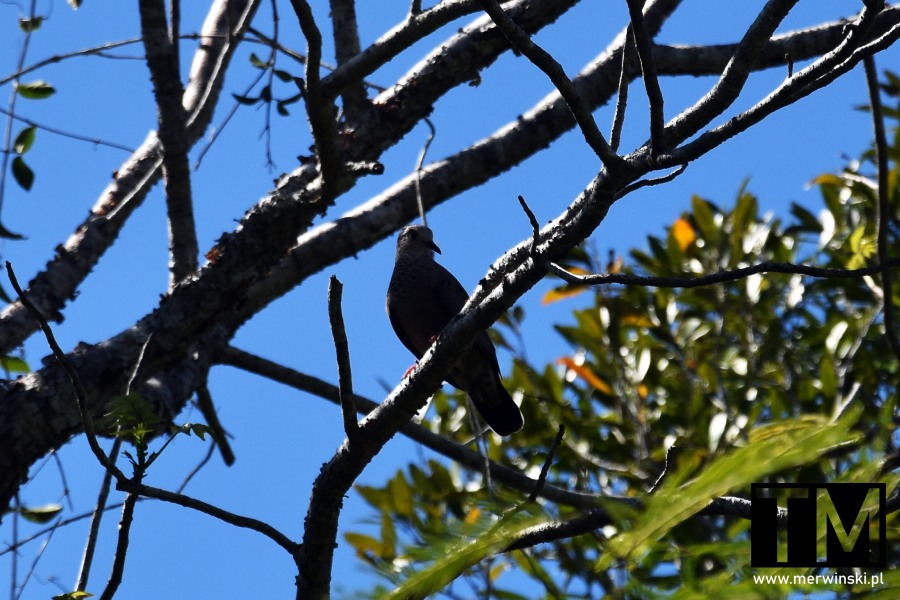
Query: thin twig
{"points": [[546, 63], [211, 510], [7, 136], [653, 181], [87, 559], [67, 134], [542, 478], [118, 568], [648, 69], [342, 349], [883, 214], [691, 281], [421, 159], [535, 226], [208, 409], [80, 392], [672, 454], [615, 135]]}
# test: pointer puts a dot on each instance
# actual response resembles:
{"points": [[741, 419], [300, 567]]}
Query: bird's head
{"points": [[416, 239]]}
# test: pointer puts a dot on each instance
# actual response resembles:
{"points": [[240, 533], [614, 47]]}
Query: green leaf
{"points": [[24, 140], [283, 75], [14, 364], [35, 90], [258, 62], [248, 100], [9, 235], [363, 544], [74, 595], [41, 514], [705, 219], [22, 173], [795, 443], [455, 560], [30, 24]]}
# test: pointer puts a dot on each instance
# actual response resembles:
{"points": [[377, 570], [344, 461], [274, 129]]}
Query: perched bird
{"points": [[422, 298]]}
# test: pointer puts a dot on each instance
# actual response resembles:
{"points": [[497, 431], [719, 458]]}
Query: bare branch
{"points": [[648, 69], [419, 202], [118, 567], [87, 559], [345, 378], [822, 72], [622, 95], [542, 478], [466, 457], [81, 396], [319, 109], [346, 46], [720, 277], [57, 283], [208, 409], [162, 60], [265, 529], [546, 63], [735, 75]]}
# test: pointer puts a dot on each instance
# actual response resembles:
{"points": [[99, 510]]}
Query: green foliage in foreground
{"points": [[772, 378]]}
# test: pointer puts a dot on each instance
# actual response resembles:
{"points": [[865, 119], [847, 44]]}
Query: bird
{"points": [[422, 298]]}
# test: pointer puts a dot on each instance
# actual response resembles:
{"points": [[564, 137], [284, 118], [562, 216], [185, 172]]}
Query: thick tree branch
{"points": [[320, 110], [346, 47], [237, 261], [466, 457], [53, 287], [729, 86], [822, 72]]}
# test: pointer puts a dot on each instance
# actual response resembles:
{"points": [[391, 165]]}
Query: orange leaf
{"points": [[561, 293], [587, 375], [683, 233]]}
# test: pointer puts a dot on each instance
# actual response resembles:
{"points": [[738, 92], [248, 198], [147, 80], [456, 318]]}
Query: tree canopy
{"points": [[739, 346]]}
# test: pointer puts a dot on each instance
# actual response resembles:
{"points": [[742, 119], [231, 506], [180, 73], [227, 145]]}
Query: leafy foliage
{"points": [[776, 377]]}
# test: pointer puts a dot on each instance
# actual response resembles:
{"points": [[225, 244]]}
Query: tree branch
{"points": [[346, 46], [546, 63], [53, 287], [648, 69], [345, 378], [320, 110], [734, 76], [162, 60], [720, 277]]}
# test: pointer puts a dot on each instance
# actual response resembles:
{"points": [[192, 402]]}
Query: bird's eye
{"points": [[413, 234]]}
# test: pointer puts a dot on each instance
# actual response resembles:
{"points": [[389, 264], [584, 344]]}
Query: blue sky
{"points": [[281, 437]]}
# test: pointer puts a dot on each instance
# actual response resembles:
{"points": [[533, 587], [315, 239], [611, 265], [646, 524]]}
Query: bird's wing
{"points": [[453, 296]]}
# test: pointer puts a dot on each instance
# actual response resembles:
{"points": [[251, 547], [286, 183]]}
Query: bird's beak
{"points": [[433, 246]]}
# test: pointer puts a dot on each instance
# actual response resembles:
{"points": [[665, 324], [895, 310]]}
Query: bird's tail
{"points": [[496, 406]]}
